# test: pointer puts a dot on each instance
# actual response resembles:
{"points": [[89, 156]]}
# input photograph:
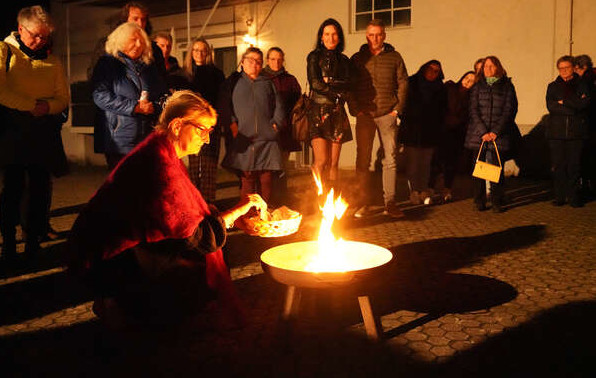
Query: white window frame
{"points": [[372, 11]]}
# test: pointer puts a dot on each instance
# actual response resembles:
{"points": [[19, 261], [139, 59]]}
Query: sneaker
{"points": [[362, 212], [392, 210], [426, 197], [447, 195]]}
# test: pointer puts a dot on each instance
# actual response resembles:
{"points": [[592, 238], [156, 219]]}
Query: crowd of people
{"points": [[152, 230]]}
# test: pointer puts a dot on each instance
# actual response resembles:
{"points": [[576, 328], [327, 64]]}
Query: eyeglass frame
{"points": [[37, 36]]}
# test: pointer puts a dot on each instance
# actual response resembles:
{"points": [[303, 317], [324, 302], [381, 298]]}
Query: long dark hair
{"points": [[500, 70], [430, 62], [464, 75], [340, 32]]}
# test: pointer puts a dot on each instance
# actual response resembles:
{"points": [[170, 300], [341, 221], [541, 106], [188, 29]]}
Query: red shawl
{"points": [[148, 197]]}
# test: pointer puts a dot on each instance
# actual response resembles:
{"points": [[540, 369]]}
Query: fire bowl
{"points": [[288, 263]]}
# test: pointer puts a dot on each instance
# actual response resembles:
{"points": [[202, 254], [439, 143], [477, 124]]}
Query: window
{"points": [[392, 12]]}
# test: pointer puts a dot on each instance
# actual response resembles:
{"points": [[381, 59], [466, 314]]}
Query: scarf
{"points": [[491, 80], [40, 54]]}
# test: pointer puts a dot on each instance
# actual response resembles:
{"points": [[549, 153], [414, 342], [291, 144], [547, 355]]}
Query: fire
{"points": [[330, 256]]}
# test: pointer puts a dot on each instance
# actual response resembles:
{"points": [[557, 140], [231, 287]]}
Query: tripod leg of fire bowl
{"points": [[292, 302], [372, 323]]}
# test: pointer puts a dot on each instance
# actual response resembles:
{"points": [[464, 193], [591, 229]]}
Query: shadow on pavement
{"points": [[558, 342], [39, 296]]}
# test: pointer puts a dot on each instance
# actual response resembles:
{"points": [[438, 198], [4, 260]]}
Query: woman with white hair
{"points": [[127, 90]]}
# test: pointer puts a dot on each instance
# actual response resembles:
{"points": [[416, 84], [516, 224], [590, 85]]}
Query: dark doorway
{"points": [[226, 59]]}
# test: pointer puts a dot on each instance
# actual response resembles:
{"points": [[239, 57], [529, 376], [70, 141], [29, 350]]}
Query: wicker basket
{"points": [[284, 221]]}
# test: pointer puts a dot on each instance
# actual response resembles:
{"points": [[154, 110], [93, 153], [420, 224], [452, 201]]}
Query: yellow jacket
{"points": [[29, 80]]}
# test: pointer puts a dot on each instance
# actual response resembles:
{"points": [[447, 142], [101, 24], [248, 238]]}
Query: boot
{"points": [[9, 246], [32, 247]]}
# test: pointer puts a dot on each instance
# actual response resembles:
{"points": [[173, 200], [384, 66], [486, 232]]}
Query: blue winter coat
{"points": [[117, 86], [493, 109], [256, 106]]}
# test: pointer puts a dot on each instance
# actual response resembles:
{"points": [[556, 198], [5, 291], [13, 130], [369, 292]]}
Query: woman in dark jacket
{"points": [[426, 103], [568, 101], [328, 72], [205, 79], [453, 132], [127, 89], [493, 106]]}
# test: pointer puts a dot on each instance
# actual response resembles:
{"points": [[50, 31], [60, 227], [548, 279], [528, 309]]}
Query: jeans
{"points": [[366, 127]]}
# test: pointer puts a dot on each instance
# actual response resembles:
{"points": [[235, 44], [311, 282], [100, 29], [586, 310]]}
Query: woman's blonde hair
{"points": [[186, 105], [120, 36], [188, 60]]}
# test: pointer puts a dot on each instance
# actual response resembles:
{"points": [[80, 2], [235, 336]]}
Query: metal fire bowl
{"points": [[286, 264]]}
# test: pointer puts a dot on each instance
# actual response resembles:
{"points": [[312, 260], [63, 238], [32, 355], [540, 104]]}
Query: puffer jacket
{"points": [[380, 81], [117, 86], [492, 109], [334, 65], [568, 120]]}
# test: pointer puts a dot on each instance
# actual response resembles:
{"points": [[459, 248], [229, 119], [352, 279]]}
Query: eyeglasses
{"points": [[254, 61], [41, 37], [566, 67], [200, 128]]}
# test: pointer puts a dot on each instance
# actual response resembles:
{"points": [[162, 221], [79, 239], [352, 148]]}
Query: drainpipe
{"points": [[571, 27], [188, 23]]}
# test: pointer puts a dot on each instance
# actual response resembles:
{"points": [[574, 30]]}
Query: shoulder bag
{"points": [[299, 118], [487, 171]]}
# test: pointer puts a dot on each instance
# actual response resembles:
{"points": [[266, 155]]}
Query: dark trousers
{"points": [[446, 159], [33, 184], [113, 159], [497, 190], [565, 156], [257, 182]]}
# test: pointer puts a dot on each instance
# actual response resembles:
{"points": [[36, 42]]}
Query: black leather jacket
{"points": [[336, 67]]}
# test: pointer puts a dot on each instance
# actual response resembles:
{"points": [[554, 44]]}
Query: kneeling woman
{"points": [[147, 243]]}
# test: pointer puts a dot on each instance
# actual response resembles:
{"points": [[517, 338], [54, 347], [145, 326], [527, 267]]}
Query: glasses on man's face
{"points": [[254, 61], [565, 67], [40, 36]]}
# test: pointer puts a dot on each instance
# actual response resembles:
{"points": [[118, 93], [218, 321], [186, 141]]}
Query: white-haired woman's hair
{"points": [[120, 37], [35, 15]]}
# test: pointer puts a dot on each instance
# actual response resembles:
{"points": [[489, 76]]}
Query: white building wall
{"points": [[527, 35]]}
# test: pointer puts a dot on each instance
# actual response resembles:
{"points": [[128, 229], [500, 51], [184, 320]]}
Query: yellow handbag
{"points": [[487, 171]]}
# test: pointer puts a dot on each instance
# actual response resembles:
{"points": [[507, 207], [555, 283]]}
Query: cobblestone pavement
{"points": [[467, 294]]}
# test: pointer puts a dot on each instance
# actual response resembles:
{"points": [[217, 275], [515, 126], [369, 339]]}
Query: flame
{"points": [[330, 256]]}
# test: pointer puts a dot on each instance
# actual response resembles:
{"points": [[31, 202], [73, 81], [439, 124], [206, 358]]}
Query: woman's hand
{"points": [[245, 204], [489, 137], [234, 129], [144, 107]]}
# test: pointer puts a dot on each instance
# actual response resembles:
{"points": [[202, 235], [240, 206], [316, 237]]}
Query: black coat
{"points": [[493, 109], [426, 104], [568, 120]]}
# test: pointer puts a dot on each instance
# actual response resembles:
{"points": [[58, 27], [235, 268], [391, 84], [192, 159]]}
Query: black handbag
{"points": [[299, 118]]}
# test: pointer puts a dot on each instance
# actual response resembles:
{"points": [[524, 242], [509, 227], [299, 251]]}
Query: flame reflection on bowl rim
{"points": [[349, 256]]}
